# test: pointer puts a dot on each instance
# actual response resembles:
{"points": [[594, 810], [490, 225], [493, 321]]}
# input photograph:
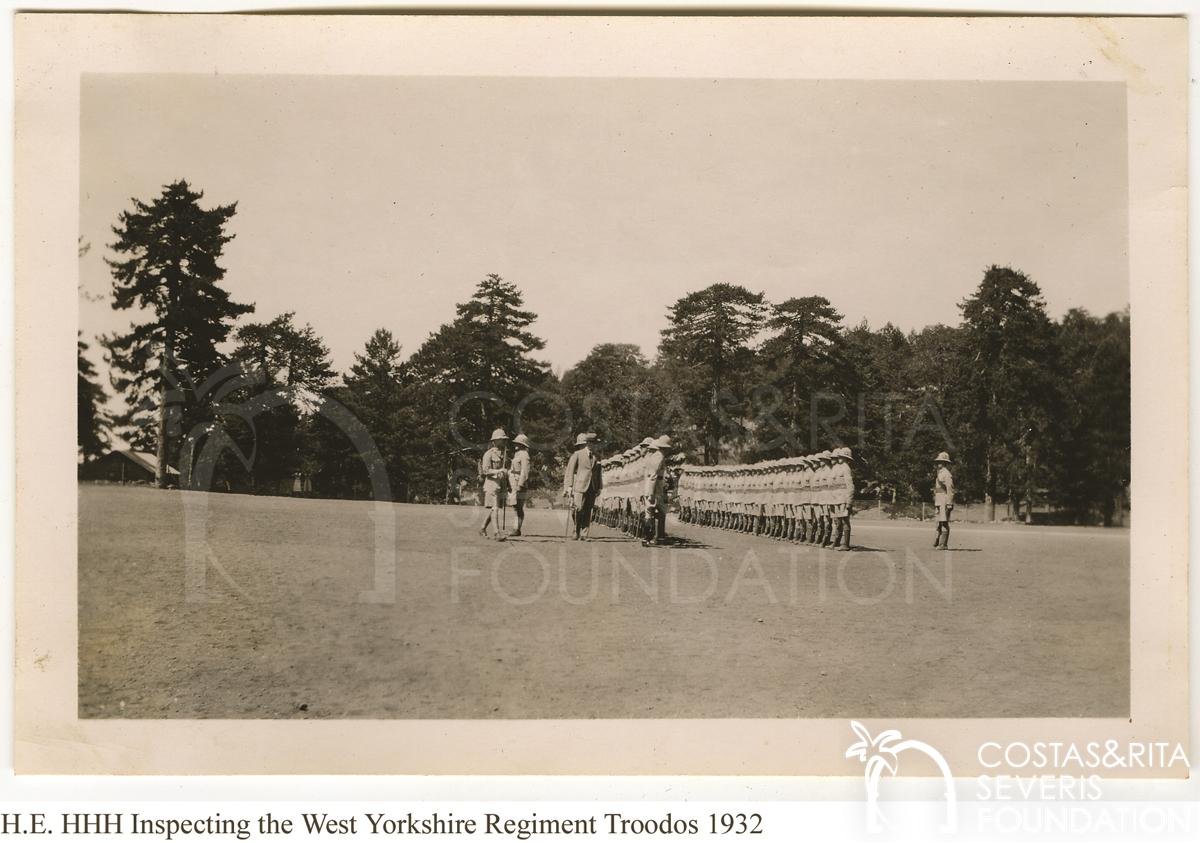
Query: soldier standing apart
{"points": [[494, 472], [518, 479], [943, 499], [582, 480]]}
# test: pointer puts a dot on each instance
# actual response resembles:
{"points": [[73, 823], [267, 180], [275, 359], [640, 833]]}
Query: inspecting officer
{"points": [[494, 473]]}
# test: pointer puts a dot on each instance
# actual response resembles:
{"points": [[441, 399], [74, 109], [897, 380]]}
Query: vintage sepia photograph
{"points": [[599, 395], [500, 397]]}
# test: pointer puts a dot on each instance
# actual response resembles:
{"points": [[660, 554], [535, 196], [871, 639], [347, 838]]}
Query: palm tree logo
{"points": [[881, 753]]}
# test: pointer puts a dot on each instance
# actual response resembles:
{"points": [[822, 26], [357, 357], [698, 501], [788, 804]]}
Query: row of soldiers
{"points": [[799, 499], [636, 485]]}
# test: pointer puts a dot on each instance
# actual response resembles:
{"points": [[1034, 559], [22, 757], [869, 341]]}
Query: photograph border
{"points": [[52, 50]]}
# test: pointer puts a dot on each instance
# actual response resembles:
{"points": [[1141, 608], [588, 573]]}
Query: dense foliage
{"points": [[1030, 408]]}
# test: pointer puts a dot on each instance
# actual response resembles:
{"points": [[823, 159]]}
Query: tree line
{"points": [[1031, 408]]}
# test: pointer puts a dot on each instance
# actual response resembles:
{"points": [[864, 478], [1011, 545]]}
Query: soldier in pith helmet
{"points": [[518, 479], [943, 499], [821, 482], [842, 492], [493, 470]]}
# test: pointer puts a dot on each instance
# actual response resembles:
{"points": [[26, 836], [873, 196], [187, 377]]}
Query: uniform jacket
{"points": [[583, 475], [943, 487], [491, 467], [518, 472], [654, 485], [843, 484]]}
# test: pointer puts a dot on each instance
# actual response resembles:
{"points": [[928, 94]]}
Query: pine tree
{"points": [[1014, 391], [292, 369], [169, 273], [374, 393], [706, 349], [805, 362], [474, 374]]}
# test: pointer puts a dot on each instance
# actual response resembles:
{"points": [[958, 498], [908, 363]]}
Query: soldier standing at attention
{"points": [[943, 499], [582, 480], [518, 479], [494, 472], [843, 496], [821, 482]]}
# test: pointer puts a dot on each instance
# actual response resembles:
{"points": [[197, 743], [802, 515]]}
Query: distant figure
{"points": [[494, 472], [943, 500], [518, 479], [582, 481]]}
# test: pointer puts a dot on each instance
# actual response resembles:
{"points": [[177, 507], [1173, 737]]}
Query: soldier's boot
{"points": [[827, 532], [814, 531], [837, 532], [946, 538], [846, 535], [937, 539], [794, 530], [648, 530]]}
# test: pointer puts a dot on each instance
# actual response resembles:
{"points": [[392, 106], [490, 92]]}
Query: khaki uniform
{"points": [[494, 473]]}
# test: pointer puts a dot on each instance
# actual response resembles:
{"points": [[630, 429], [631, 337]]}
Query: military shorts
{"points": [[942, 512]]}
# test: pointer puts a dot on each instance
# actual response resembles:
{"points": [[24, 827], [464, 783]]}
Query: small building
{"points": [[125, 466]]}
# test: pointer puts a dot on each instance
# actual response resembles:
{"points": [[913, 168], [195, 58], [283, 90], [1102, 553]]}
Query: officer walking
{"points": [[583, 480], [518, 479], [494, 471], [943, 499]]}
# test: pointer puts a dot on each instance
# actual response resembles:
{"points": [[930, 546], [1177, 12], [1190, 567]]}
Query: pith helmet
{"points": [[943, 457], [521, 439], [499, 434], [662, 442], [647, 442], [581, 439]]}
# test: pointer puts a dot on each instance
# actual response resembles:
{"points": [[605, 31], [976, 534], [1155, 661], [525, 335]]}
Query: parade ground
{"points": [[295, 612]]}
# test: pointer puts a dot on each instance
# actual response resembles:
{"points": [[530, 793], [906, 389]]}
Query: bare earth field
{"points": [[1012, 622]]}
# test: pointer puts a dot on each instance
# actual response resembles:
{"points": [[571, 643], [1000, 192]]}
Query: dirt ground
{"points": [[1012, 622]]}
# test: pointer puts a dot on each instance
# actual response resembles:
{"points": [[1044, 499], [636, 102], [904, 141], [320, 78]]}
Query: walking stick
{"points": [[501, 535], [570, 519]]}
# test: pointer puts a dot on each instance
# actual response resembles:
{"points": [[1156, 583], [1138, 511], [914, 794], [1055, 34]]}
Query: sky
{"points": [[368, 202]]}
